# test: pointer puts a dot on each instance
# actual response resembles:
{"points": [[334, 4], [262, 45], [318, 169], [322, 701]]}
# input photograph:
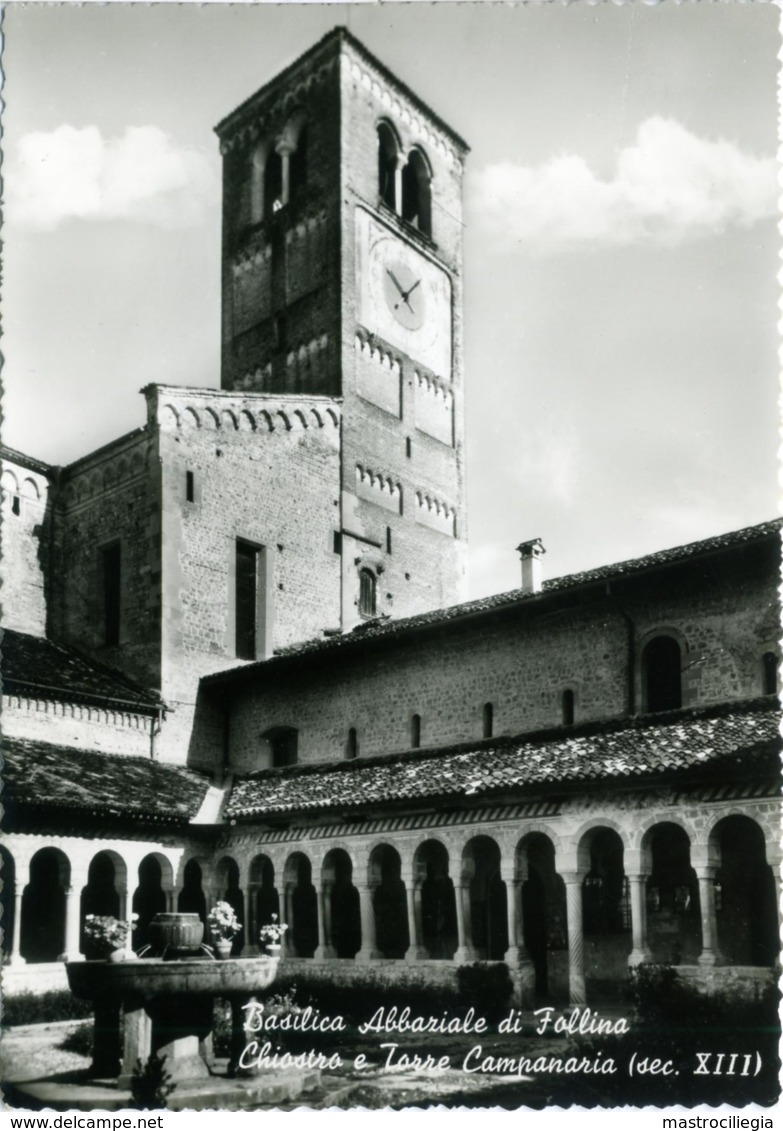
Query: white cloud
{"points": [[668, 186], [76, 173]]}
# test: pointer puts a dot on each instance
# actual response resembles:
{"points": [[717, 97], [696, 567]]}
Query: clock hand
{"points": [[410, 291], [393, 278]]}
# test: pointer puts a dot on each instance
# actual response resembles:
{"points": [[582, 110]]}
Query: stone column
{"points": [[251, 920], [517, 954], [710, 955], [138, 1040], [122, 892], [285, 149], [22, 879], [288, 918], [72, 919], [401, 163], [325, 948], [640, 952], [416, 949], [576, 956], [171, 903], [466, 952], [369, 948]]}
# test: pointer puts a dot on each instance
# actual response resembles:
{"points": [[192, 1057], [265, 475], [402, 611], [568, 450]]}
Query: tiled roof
{"points": [[44, 670], [632, 749], [392, 628], [40, 776]]}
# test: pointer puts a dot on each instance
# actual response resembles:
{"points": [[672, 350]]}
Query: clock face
{"points": [[404, 297]]}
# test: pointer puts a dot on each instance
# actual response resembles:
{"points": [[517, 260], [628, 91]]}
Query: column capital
{"points": [[572, 878]]}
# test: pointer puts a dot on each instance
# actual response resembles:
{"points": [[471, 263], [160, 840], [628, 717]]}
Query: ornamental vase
{"points": [[223, 949], [176, 932]]}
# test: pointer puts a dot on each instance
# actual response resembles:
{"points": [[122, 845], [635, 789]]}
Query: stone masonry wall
{"points": [[265, 471], [110, 496], [79, 725], [26, 533], [520, 661]]}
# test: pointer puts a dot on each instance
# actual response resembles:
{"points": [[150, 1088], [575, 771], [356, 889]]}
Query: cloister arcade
{"points": [[573, 910]]}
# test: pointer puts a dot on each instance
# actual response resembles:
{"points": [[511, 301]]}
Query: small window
{"points": [[273, 183], [770, 673], [246, 593], [408, 446], [284, 744], [415, 731], [352, 745], [662, 674], [387, 165], [111, 570], [416, 193], [298, 166], [367, 593], [337, 542], [190, 486], [568, 707], [487, 720], [16, 505], [388, 540]]}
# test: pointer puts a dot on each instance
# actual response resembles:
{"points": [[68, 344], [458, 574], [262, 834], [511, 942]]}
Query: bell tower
{"points": [[342, 276]]}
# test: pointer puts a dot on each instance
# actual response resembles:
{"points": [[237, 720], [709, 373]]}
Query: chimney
{"points": [[530, 554]]}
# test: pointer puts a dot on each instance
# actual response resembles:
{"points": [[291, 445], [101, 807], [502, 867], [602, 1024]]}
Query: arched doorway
{"points": [[606, 912], [389, 902], [345, 922], [438, 906], [227, 882], [543, 915], [263, 898], [99, 895], [488, 915], [302, 936], [745, 895], [192, 897], [149, 897], [673, 909], [43, 906]]}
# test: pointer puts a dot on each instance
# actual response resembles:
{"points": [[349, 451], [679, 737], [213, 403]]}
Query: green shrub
{"points": [[151, 1084], [53, 1005]]}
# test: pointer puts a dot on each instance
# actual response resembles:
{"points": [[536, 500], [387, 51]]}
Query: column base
{"points": [[710, 958], [517, 956], [322, 952], [465, 954], [416, 954], [637, 957], [368, 955]]}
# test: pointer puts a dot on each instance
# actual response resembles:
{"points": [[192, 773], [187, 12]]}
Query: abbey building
{"points": [[238, 661]]}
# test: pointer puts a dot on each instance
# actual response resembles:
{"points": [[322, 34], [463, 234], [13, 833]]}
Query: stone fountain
{"points": [[167, 1000]]}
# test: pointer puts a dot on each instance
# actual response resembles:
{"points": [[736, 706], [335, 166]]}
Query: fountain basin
{"points": [[168, 1009]]}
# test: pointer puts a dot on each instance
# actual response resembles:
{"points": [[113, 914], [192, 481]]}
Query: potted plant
{"points": [[223, 924], [107, 937], [271, 936]]}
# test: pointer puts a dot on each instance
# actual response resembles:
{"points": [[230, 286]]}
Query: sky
{"points": [[620, 245]]}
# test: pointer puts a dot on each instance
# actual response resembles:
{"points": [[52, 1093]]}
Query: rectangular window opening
{"points": [[190, 486], [111, 570], [246, 610]]}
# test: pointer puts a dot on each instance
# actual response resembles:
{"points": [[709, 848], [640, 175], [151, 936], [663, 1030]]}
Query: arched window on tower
{"points": [[487, 720], [416, 193], [352, 745], [273, 183], [387, 165], [298, 166], [769, 673], [367, 593], [662, 675]]}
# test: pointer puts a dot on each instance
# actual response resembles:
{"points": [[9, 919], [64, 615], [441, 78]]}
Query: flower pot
{"points": [[273, 949], [223, 949], [121, 954]]}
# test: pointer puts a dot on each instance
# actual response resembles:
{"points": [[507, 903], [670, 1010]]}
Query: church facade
{"points": [[238, 662]]}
